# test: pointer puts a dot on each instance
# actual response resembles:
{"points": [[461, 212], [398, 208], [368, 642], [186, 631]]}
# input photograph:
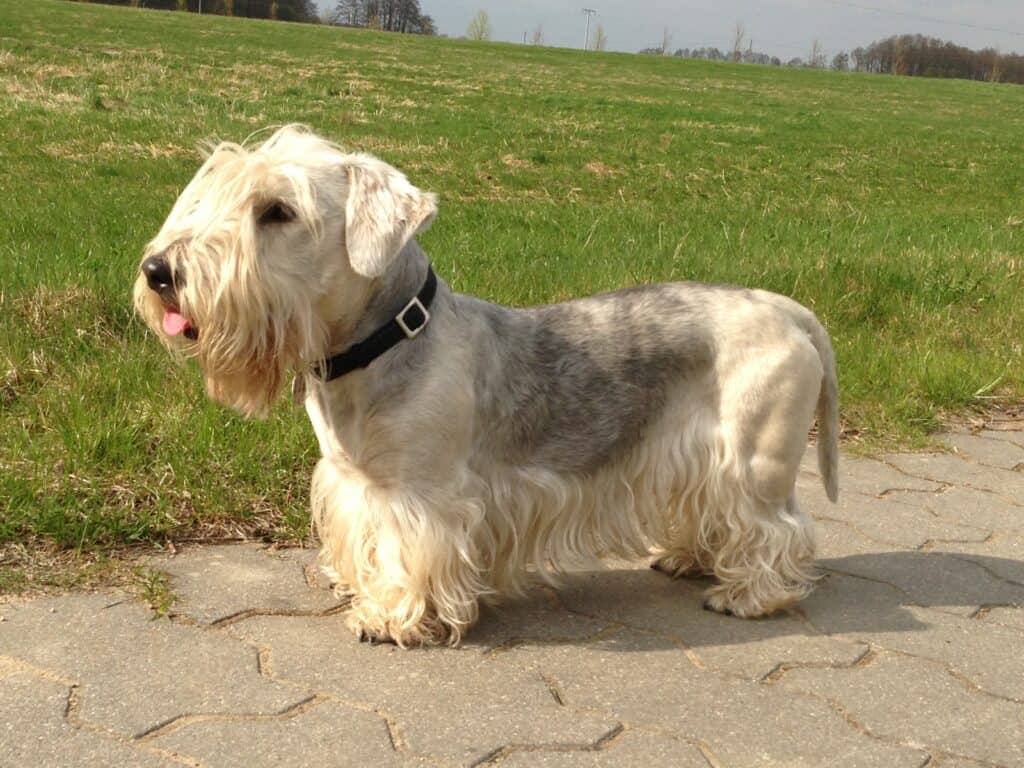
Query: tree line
{"points": [[909, 55], [387, 15], [280, 10], [922, 56]]}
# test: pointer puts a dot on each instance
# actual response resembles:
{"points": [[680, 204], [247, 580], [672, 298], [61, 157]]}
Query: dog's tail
{"points": [[828, 412]]}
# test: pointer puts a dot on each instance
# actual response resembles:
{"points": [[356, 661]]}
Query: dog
{"points": [[466, 445]]}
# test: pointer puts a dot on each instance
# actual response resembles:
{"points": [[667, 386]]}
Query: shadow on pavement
{"points": [[865, 593]]}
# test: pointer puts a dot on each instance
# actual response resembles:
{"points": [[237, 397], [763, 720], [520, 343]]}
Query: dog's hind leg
{"points": [[762, 543], [765, 561]]}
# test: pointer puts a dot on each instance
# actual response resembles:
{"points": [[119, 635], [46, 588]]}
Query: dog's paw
{"points": [[677, 565], [733, 600], [716, 607], [375, 638]]}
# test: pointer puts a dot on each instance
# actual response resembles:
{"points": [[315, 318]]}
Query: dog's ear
{"points": [[382, 211]]}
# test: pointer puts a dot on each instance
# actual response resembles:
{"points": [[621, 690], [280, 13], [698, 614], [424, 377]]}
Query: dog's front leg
{"points": [[408, 559]]}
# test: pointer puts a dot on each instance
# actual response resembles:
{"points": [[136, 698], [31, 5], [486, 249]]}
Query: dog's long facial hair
{"points": [[248, 274]]}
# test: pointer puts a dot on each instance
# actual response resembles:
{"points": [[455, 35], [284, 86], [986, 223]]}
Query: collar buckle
{"points": [[418, 321]]}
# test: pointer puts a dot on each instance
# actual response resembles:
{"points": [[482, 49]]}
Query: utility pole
{"points": [[586, 40], [200, 7]]}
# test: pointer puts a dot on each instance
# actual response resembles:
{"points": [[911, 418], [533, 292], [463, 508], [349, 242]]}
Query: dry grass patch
{"points": [[512, 161], [40, 95], [35, 567], [598, 168], [44, 310], [135, 149]]}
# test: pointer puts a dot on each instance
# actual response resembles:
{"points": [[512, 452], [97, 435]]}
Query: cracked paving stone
{"points": [[455, 704], [869, 477], [916, 701], [1014, 436], [246, 577], [629, 748], [136, 672], [946, 580], [977, 508], [894, 520], [534, 619], [325, 734], [638, 680], [956, 471], [35, 732], [999, 453], [838, 539], [992, 656], [848, 606], [1003, 555], [1007, 616], [653, 602]]}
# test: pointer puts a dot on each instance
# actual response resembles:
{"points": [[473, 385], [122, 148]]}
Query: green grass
{"points": [[893, 207]]}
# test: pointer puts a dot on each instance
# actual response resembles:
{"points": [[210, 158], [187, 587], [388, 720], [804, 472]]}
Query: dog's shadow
{"points": [[867, 593]]}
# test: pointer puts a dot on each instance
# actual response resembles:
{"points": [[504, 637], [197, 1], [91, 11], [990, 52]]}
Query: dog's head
{"points": [[267, 249]]}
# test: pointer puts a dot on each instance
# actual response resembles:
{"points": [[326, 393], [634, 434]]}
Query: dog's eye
{"points": [[276, 213]]}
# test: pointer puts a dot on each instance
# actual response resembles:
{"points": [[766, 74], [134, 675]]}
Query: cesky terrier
{"points": [[464, 443]]}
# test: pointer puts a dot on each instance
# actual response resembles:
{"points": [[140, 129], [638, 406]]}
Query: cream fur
{"points": [[419, 517]]}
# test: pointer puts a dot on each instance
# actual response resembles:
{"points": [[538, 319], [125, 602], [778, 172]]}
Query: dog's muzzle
{"points": [[160, 280]]}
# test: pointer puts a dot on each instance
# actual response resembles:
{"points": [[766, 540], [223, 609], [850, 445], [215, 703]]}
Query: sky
{"points": [[783, 28]]}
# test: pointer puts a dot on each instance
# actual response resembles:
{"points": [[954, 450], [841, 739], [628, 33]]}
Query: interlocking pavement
{"points": [[910, 652]]}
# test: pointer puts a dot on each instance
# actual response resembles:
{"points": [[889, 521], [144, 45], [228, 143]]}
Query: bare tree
{"points": [[480, 27], [600, 39], [347, 13], [666, 42], [841, 62], [538, 35], [817, 58], [738, 36]]}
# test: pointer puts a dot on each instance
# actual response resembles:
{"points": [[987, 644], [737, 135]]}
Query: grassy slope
{"points": [[893, 207]]}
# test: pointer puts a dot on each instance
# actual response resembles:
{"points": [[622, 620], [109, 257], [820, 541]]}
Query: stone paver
{"points": [[870, 477], [35, 731], [673, 609], [900, 520], [641, 682], [986, 449], [631, 747], [136, 672], [489, 700], [984, 510], [249, 578], [906, 699], [910, 651], [953, 470], [324, 733]]}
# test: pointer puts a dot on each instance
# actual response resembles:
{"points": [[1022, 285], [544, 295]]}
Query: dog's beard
{"points": [[245, 355], [241, 335]]}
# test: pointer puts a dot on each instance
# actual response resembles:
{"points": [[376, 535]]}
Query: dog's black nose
{"points": [[158, 273]]}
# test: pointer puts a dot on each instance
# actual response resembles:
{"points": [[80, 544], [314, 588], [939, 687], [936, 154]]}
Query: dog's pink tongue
{"points": [[174, 323]]}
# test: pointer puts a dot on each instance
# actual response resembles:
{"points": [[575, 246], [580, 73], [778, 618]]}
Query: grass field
{"points": [[893, 207]]}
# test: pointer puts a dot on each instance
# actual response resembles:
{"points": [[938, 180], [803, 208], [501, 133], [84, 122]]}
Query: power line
{"points": [[932, 19]]}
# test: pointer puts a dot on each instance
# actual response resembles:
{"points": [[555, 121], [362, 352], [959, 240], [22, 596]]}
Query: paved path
{"points": [[909, 653]]}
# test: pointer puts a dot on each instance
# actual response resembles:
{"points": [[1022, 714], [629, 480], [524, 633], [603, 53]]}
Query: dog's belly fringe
{"points": [[547, 521], [481, 536]]}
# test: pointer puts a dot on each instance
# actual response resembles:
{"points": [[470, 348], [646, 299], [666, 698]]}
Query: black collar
{"points": [[407, 324]]}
